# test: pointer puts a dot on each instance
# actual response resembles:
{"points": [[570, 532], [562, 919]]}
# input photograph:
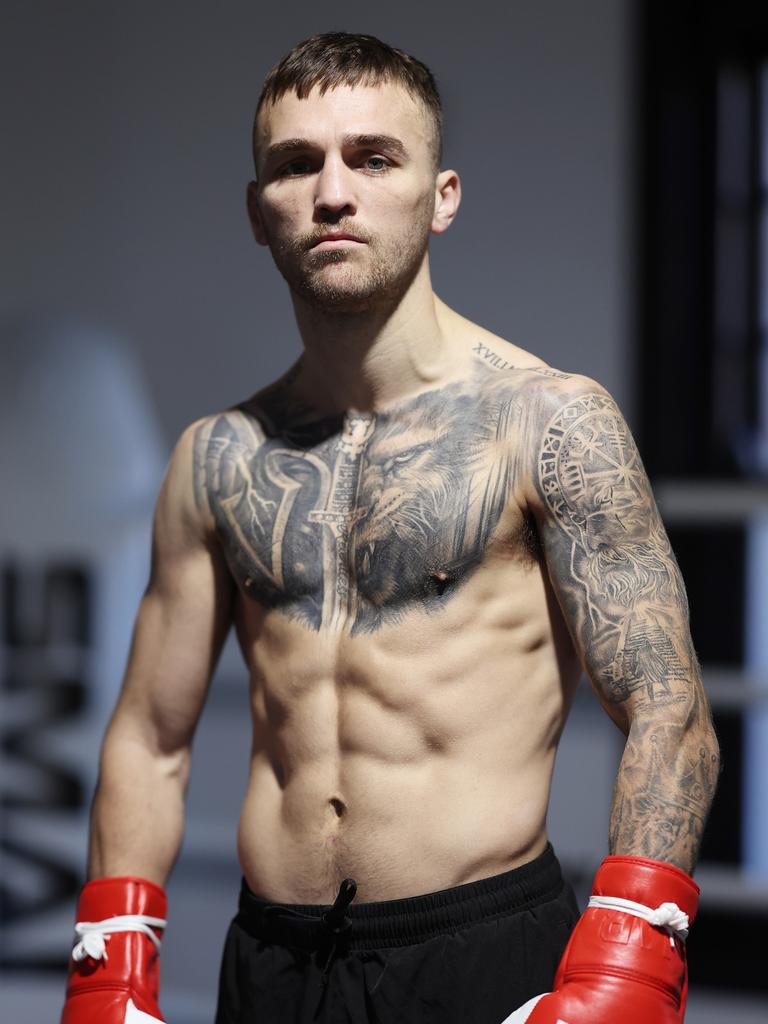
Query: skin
{"points": [[422, 535]]}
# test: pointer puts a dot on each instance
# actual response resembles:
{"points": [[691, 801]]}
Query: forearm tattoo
{"points": [[623, 596]]}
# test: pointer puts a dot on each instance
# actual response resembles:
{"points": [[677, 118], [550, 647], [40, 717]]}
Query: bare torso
{"points": [[410, 668]]}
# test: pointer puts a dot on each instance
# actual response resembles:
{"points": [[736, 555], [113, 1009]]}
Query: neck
{"points": [[365, 360]]}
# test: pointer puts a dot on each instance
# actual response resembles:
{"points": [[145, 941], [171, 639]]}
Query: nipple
{"points": [[441, 578]]}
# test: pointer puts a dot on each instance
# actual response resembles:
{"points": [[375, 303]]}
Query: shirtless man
{"points": [[422, 534]]}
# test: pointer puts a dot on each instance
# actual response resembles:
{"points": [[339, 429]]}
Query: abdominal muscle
{"points": [[413, 759]]}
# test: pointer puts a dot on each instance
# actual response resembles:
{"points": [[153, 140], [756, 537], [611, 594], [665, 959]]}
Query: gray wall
{"points": [[126, 154]]}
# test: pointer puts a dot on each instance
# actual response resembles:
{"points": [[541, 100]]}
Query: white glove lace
{"points": [[668, 916], [95, 934]]}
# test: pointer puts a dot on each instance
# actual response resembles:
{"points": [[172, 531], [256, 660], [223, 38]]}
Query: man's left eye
{"points": [[381, 161]]}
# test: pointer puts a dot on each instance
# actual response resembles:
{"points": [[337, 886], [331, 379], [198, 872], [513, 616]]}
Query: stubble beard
{"points": [[359, 282]]}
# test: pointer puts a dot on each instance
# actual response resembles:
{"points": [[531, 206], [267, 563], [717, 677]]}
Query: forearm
{"points": [[664, 789], [137, 816]]}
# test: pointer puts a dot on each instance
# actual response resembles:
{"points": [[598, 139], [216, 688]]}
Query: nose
{"points": [[334, 193]]}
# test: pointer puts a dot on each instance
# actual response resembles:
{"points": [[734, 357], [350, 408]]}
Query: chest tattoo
{"points": [[349, 522]]}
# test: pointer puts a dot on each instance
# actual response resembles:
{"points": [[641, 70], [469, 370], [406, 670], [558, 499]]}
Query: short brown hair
{"points": [[343, 58]]}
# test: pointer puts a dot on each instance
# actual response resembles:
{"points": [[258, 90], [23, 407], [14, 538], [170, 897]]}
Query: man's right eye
{"points": [[294, 169]]}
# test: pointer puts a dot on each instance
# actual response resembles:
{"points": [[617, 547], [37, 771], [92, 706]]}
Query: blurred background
{"points": [[614, 160]]}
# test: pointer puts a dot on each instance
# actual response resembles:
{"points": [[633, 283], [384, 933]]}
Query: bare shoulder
{"points": [[556, 417], [214, 445], [543, 403], [180, 513], [495, 356], [182, 520], [568, 404], [582, 460], [214, 454], [499, 360], [553, 390], [239, 426]]}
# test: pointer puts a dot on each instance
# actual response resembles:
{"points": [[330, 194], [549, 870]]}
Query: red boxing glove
{"points": [[114, 971], [625, 960]]}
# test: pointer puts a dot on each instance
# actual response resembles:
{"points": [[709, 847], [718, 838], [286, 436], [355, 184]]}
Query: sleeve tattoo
{"points": [[622, 594]]}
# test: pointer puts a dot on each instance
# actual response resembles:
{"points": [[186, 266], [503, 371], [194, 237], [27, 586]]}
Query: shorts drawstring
{"points": [[333, 923], [336, 921]]}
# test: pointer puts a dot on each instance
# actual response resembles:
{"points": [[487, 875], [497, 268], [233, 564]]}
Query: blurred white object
{"points": [[80, 449]]}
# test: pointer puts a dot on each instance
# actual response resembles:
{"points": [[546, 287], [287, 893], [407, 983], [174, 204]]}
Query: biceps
{"points": [[180, 627], [623, 595], [609, 557]]}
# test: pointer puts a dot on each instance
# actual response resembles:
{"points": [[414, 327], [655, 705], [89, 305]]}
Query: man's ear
{"points": [[447, 200], [254, 213]]}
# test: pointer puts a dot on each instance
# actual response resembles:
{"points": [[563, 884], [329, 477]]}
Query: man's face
{"points": [[355, 161]]}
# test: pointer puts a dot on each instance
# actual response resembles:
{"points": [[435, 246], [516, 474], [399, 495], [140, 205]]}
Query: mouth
{"points": [[340, 241]]}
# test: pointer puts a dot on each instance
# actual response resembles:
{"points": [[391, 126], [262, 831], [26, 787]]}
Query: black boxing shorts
{"points": [[467, 955]]}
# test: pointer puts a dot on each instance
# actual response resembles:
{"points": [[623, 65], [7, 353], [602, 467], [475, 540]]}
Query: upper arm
{"points": [[608, 556], [183, 617]]}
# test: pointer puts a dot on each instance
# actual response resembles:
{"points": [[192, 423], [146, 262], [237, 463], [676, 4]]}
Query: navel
{"points": [[338, 806]]}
